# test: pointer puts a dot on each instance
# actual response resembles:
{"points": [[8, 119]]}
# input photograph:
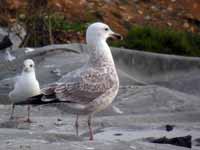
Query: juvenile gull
{"points": [[91, 88], [26, 86]]}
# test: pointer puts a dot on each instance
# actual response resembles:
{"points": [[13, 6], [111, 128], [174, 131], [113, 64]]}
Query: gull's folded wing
{"points": [[83, 89]]}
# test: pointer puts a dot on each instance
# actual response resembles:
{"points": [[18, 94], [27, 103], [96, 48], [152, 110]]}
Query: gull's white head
{"points": [[29, 65], [100, 32]]}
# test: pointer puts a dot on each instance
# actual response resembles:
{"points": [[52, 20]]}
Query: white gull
{"points": [[90, 88], [26, 86]]}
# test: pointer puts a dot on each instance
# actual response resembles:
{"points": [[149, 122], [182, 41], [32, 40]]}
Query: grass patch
{"points": [[166, 41], [60, 23], [45, 28]]}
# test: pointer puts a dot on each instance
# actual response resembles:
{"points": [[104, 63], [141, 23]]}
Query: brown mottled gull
{"points": [[91, 88]]}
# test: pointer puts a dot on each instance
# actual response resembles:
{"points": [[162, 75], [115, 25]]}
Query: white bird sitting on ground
{"points": [[26, 86], [90, 88]]}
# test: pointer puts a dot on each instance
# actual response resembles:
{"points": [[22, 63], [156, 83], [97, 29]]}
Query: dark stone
{"points": [[169, 127], [185, 141], [58, 119], [197, 142], [5, 43], [118, 134]]}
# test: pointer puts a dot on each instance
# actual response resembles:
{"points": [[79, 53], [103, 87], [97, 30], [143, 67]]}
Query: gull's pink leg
{"points": [[77, 125], [90, 127], [12, 112], [28, 119]]}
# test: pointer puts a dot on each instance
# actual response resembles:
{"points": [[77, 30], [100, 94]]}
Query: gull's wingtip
{"points": [[40, 99], [35, 100]]}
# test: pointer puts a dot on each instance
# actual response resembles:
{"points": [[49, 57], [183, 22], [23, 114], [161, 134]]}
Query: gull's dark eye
{"points": [[31, 65], [106, 29]]}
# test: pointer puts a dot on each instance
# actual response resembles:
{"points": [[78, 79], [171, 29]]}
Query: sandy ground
{"points": [[144, 105]]}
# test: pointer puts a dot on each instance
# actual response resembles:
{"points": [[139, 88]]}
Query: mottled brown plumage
{"points": [[92, 87]]}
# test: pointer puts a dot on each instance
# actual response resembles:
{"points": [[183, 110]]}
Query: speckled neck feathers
{"points": [[100, 54]]}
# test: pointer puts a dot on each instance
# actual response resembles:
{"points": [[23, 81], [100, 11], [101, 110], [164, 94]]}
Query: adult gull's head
{"points": [[29, 65]]}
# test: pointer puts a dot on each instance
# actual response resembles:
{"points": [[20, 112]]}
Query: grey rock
{"points": [[17, 33]]}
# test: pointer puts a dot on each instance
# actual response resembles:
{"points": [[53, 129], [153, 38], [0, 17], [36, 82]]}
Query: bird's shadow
{"points": [[56, 137], [15, 123]]}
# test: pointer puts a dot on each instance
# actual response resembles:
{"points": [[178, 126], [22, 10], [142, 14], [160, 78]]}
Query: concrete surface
{"points": [[155, 90]]}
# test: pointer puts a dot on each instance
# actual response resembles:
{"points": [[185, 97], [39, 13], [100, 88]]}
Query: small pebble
{"points": [[59, 119], [118, 134], [169, 127]]}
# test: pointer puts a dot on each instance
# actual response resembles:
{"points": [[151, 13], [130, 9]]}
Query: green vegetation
{"points": [[60, 23], [165, 41], [44, 28]]}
